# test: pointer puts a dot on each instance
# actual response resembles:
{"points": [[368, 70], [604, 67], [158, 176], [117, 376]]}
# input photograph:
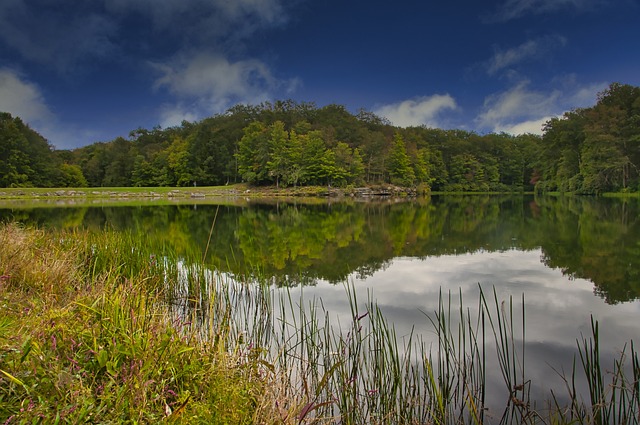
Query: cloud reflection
{"points": [[557, 310]]}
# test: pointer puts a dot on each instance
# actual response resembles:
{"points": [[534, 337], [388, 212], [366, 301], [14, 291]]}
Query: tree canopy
{"points": [[285, 143], [597, 149], [28, 160]]}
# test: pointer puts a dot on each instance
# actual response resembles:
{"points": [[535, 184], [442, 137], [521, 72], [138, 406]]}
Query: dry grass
{"points": [[38, 264], [85, 335]]}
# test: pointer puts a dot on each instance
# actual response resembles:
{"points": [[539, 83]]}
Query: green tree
{"points": [[93, 160], [329, 171], [594, 149], [254, 153], [294, 154], [71, 176], [26, 158], [612, 140], [178, 161], [357, 168], [14, 162], [313, 153], [421, 166], [400, 169], [374, 158], [278, 158], [560, 152], [343, 158], [466, 173], [142, 173], [120, 164]]}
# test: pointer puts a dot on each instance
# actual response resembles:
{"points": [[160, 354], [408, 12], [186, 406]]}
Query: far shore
{"points": [[195, 193], [232, 193]]}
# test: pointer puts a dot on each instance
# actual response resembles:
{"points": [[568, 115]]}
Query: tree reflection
{"points": [[289, 243]]}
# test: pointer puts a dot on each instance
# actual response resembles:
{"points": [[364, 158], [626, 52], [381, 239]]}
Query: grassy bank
{"points": [[86, 336], [96, 327], [239, 189], [121, 192]]}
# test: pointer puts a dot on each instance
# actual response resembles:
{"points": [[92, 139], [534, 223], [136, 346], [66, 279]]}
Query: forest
{"points": [[286, 143]]}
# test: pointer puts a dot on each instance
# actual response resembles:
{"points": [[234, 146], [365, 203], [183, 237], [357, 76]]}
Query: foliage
{"points": [[27, 159], [597, 149], [400, 168], [282, 144], [591, 151]]}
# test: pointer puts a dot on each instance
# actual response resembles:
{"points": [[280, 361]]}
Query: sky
{"points": [[85, 71]]}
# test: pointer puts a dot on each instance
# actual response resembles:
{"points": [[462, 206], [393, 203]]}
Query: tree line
{"points": [[28, 160], [597, 149], [287, 143]]}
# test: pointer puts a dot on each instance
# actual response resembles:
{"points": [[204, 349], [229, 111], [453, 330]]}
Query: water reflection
{"points": [[557, 312], [293, 243]]}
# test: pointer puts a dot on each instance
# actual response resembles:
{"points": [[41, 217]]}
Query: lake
{"points": [[571, 258]]}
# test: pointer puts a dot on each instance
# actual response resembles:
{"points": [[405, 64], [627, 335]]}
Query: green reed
{"points": [[615, 400], [361, 372]]}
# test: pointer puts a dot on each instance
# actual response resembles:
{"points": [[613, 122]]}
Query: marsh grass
{"points": [[103, 328], [91, 338]]}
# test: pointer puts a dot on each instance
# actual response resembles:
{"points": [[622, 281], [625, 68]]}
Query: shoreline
{"points": [[198, 193]]}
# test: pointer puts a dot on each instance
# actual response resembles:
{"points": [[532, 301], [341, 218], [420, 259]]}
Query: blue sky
{"points": [[86, 71]]}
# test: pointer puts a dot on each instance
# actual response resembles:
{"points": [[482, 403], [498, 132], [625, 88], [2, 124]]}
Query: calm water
{"points": [[570, 257]]}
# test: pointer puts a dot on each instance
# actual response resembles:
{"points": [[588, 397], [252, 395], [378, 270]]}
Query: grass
{"points": [[97, 327], [176, 193], [97, 192], [86, 336]]}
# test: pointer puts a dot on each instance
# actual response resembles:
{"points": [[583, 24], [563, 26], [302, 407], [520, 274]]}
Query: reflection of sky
{"points": [[557, 309]]}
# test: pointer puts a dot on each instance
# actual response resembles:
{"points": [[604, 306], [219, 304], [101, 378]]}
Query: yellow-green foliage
{"points": [[36, 263], [77, 345]]}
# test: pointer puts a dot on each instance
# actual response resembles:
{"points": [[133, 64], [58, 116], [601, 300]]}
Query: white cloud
{"points": [[523, 110], [164, 13], [214, 75], [513, 9], [517, 108], [587, 95], [533, 126], [22, 98], [517, 102], [210, 83], [421, 111], [213, 22], [62, 34], [531, 50], [173, 115], [44, 34]]}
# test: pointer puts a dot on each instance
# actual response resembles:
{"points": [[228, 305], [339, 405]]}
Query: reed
{"points": [[361, 372]]}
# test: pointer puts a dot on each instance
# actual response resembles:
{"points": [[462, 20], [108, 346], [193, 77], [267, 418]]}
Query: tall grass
{"points": [[101, 327], [361, 372], [95, 341]]}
